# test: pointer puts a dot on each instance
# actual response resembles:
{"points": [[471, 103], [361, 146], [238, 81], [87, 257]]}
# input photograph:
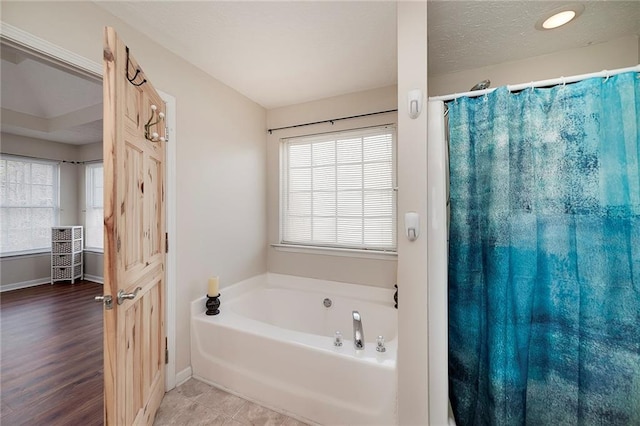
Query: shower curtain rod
{"points": [[541, 83], [331, 121]]}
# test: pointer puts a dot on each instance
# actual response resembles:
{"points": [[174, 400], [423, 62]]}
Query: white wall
{"points": [[412, 196], [377, 272], [221, 147], [90, 152], [620, 53]]}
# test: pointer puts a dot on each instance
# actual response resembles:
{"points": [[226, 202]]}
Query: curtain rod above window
{"points": [[542, 83], [331, 120], [51, 160]]}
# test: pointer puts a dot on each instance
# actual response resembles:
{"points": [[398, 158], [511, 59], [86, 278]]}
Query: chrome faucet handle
{"points": [[338, 339]]}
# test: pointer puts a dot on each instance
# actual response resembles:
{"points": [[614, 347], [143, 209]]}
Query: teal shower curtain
{"points": [[544, 260]]}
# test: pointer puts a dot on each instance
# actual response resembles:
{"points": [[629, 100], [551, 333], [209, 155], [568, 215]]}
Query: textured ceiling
{"points": [[283, 53], [471, 34]]}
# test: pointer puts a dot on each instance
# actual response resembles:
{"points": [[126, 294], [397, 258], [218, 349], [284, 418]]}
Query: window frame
{"points": [[88, 186], [355, 250], [55, 207]]}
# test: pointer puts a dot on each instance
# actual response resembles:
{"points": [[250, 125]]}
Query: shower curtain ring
{"points": [[606, 74]]}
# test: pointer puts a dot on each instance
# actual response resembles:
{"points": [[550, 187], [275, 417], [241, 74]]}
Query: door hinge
{"points": [[166, 242], [166, 133], [166, 351]]}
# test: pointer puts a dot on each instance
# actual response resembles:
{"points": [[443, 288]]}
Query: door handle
{"points": [[106, 300], [122, 295]]}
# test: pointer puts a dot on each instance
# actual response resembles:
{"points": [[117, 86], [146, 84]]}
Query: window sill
{"points": [[334, 251]]}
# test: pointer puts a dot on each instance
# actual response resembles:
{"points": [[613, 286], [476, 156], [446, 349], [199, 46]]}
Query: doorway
{"points": [[61, 59]]}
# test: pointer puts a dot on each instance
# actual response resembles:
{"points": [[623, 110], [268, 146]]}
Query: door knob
{"points": [[106, 300], [122, 295]]}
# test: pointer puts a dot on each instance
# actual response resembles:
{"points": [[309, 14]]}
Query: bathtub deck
{"points": [[195, 402]]}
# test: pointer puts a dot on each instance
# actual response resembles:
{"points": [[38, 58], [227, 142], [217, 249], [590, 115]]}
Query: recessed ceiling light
{"points": [[558, 17]]}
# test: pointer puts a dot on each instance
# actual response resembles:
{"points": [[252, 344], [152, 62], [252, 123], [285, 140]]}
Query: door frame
{"points": [[77, 64]]}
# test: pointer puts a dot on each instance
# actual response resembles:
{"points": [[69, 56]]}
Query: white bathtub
{"points": [[273, 343]]}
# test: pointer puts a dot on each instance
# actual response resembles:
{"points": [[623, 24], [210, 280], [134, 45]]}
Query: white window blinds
{"points": [[94, 219], [338, 189], [28, 204]]}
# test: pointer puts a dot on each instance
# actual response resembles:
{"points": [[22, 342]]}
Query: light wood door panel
{"points": [[134, 257]]}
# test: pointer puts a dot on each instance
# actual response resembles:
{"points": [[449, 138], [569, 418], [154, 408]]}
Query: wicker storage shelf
{"points": [[66, 273], [67, 262], [66, 259], [67, 247]]}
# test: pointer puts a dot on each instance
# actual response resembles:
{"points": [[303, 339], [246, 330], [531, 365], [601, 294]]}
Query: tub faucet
{"points": [[358, 334]]}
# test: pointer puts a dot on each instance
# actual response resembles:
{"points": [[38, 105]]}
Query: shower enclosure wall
{"points": [[437, 258]]}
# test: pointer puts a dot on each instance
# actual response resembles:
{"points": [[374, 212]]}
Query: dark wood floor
{"points": [[51, 355]]}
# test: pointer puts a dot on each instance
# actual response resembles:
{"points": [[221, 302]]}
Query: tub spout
{"points": [[358, 334]]}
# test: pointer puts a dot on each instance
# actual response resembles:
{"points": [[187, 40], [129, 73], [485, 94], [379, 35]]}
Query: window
{"points": [[94, 219], [338, 190], [28, 204]]}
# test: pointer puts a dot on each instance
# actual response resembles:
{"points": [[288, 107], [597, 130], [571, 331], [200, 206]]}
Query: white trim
{"points": [[17, 37], [21, 39], [171, 259], [25, 284], [94, 278], [183, 376], [93, 250], [334, 251], [437, 265], [541, 83], [24, 254]]}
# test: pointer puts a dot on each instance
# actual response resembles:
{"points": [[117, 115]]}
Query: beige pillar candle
{"points": [[214, 284]]}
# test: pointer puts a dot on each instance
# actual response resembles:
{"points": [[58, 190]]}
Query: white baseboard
{"points": [[25, 284], [183, 376], [94, 278], [40, 281]]}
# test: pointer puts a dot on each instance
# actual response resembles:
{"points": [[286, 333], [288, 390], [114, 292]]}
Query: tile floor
{"points": [[197, 403]]}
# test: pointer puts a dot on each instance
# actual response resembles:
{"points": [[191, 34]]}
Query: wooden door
{"points": [[134, 249]]}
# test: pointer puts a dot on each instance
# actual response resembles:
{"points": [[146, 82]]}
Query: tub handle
{"points": [[338, 339]]}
